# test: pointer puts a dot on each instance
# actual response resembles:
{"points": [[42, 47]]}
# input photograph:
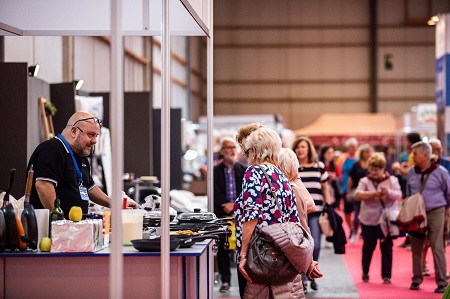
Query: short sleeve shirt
{"points": [[52, 162], [256, 200]]}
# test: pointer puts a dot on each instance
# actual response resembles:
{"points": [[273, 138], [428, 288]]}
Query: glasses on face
{"points": [[229, 147], [90, 135], [95, 119]]}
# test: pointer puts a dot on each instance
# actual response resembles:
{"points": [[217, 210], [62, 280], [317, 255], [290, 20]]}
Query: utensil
{"points": [[28, 218], [11, 240]]}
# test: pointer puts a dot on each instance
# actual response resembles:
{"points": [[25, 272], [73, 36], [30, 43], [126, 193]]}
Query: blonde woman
{"points": [[255, 207], [288, 164]]}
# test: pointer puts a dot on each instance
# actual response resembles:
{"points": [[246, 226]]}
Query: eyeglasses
{"points": [[95, 119], [90, 135], [229, 147]]}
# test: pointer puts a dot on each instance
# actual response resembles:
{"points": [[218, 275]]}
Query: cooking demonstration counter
{"points": [[82, 275]]}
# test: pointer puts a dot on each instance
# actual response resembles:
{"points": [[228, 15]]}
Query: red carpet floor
{"points": [[401, 274]]}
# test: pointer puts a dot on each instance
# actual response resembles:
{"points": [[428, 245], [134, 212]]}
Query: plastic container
{"points": [[132, 225]]}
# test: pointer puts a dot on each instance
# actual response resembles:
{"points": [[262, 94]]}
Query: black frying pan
{"points": [[11, 240], [176, 242], [153, 244], [28, 217]]}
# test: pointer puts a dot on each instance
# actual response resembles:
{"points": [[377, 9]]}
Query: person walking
{"points": [[436, 196], [315, 178], [228, 175], [255, 208], [377, 191], [343, 166], [358, 171]]}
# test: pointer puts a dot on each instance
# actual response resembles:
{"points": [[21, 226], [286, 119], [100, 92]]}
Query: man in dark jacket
{"points": [[228, 175]]}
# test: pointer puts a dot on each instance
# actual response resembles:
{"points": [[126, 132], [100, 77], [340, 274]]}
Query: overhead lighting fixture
{"points": [[33, 70], [78, 84]]}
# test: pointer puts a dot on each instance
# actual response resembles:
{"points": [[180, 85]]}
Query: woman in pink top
{"points": [[376, 189]]}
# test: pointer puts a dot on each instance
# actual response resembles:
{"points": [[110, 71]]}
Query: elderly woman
{"points": [[255, 207], [288, 164], [376, 189], [313, 175]]}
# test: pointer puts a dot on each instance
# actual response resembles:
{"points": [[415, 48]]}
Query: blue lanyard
{"points": [[79, 175]]}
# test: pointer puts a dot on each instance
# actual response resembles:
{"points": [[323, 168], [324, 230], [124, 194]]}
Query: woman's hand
{"points": [[314, 271], [242, 263]]}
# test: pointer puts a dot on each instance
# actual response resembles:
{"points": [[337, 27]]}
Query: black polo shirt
{"points": [[52, 162]]}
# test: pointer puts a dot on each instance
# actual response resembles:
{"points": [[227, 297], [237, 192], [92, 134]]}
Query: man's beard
{"points": [[81, 150]]}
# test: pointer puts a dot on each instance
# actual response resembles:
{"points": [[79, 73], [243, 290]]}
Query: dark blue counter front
{"points": [[83, 275]]}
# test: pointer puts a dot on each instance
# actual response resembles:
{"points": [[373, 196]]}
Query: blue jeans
{"points": [[313, 223]]}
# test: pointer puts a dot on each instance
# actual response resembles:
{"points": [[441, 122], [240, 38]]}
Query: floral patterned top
{"points": [[256, 200]]}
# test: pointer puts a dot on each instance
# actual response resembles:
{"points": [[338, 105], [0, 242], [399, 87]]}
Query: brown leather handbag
{"points": [[278, 252]]}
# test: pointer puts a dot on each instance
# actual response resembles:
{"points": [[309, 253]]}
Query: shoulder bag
{"points": [[388, 226], [278, 252], [412, 218], [325, 225]]}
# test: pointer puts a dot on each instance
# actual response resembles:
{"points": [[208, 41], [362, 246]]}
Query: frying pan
{"points": [[10, 216], [28, 218], [175, 242]]}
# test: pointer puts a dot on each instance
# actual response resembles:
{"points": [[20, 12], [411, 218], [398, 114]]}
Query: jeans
{"points": [[316, 233]]}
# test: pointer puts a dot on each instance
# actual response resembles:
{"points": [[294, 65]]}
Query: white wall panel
{"points": [[19, 49]]}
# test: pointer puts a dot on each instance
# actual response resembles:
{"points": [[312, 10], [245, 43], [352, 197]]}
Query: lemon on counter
{"points": [[75, 213], [45, 244]]}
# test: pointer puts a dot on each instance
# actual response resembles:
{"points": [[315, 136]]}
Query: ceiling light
{"points": [[78, 84], [33, 70]]}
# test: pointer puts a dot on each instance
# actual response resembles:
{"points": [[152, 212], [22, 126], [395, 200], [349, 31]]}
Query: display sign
{"points": [[442, 83]]}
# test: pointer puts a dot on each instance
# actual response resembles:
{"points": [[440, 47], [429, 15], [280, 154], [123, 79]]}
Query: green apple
{"points": [[45, 244]]}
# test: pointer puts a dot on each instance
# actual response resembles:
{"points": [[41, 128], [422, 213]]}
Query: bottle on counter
{"points": [[55, 215]]}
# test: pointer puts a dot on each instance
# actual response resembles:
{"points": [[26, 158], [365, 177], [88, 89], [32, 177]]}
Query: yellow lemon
{"points": [[75, 214], [45, 244]]}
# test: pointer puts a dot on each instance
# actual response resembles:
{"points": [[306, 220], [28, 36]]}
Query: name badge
{"points": [[83, 193]]}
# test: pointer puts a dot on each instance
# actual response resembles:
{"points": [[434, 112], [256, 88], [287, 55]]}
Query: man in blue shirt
{"points": [[436, 198]]}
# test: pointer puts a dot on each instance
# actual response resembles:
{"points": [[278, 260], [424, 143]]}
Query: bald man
{"points": [[61, 168]]}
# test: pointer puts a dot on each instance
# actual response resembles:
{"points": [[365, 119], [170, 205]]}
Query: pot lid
{"points": [[197, 215]]}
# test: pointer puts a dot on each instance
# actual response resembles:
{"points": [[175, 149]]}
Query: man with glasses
{"points": [[62, 170], [228, 175]]}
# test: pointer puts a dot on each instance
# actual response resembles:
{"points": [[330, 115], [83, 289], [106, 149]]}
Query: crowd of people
{"points": [[361, 182], [299, 187]]}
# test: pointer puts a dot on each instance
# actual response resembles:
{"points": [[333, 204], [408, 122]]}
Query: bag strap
{"points": [[376, 189], [424, 182], [272, 189]]}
